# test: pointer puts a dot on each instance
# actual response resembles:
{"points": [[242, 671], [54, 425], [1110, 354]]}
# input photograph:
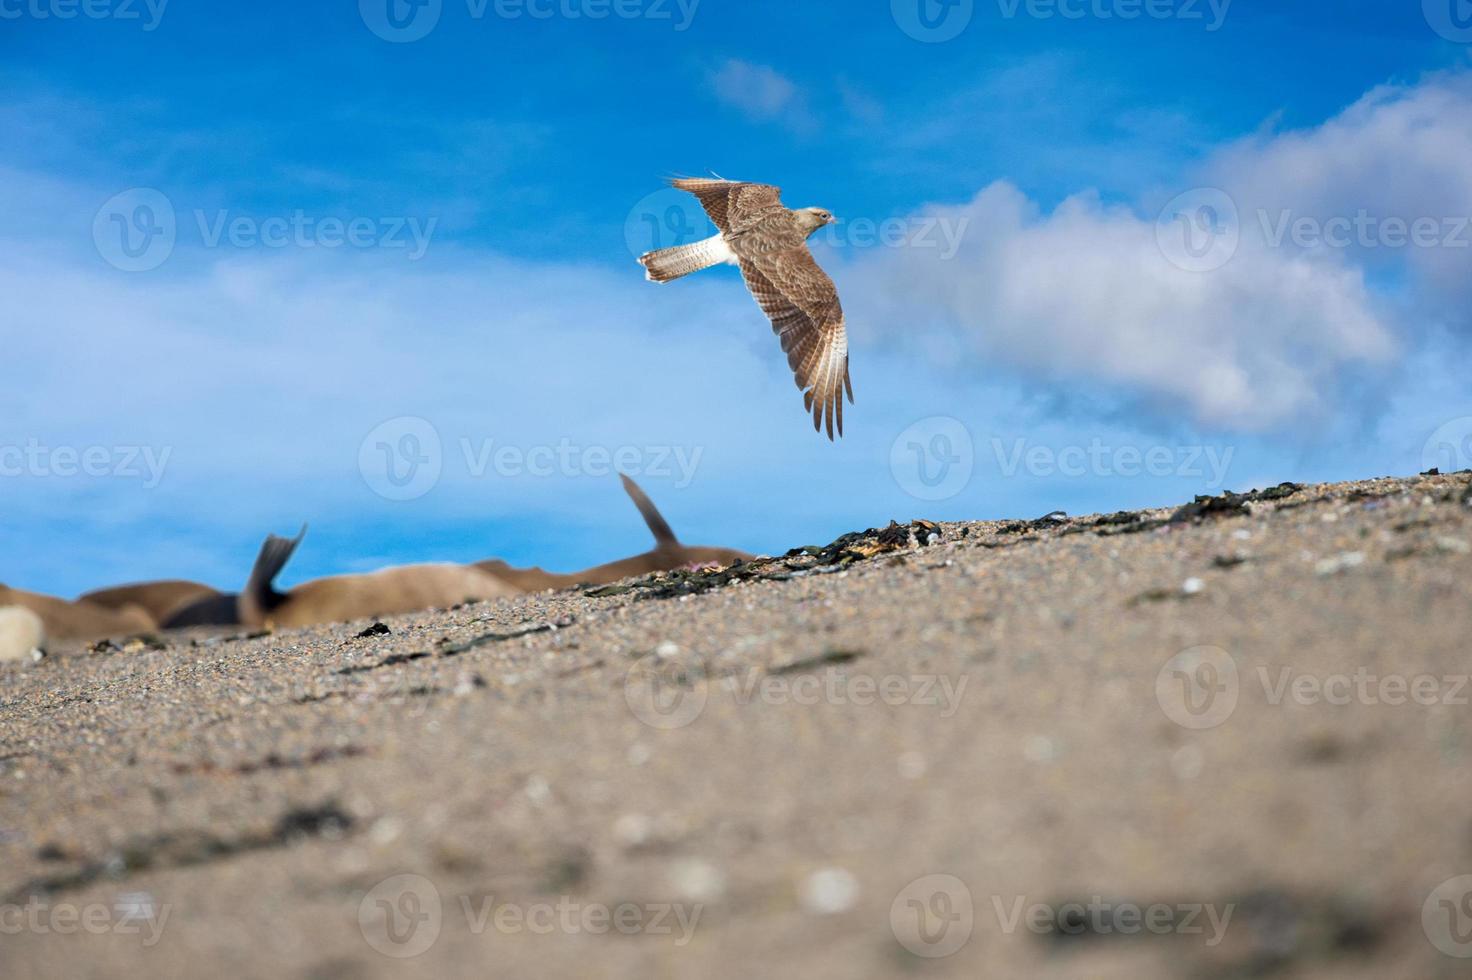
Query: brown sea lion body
{"points": [[411, 588], [159, 599], [342, 598], [220, 609], [21, 634], [80, 622], [668, 555]]}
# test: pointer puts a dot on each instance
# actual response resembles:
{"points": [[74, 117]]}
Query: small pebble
{"points": [[468, 683], [386, 830], [632, 829], [666, 650], [698, 880], [1040, 748], [538, 790], [1339, 563], [135, 906], [829, 891], [1192, 586], [1187, 762], [912, 765]]}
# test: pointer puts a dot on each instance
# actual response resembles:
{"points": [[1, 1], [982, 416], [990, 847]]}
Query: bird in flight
{"points": [[768, 241]]}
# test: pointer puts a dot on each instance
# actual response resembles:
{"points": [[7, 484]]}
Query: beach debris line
{"points": [[853, 547], [187, 848]]}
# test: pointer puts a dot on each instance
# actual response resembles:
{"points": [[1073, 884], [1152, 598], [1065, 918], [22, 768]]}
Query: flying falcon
{"points": [[768, 242]]}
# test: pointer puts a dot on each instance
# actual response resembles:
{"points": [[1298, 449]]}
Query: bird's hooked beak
{"points": [[832, 220]]}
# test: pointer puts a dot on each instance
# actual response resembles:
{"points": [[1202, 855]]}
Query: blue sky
{"points": [[1027, 334]]}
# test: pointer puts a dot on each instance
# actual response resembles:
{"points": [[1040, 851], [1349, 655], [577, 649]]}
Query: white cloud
{"points": [[1279, 335], [1399, 155], [760, 93], [1085, 294]]}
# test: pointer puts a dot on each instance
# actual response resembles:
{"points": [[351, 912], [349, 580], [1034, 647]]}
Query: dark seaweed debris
{"points": [[188, 848], [275, 762], [1133, 522], [1119, 519], [1269, 929], [1280, 492], [1043, 523], [825, 659], [1283, 928], [454, 649], [1160, 595], [377, 629], [1227, 505], [135, 644], [1230, 504], [1122, 522], [850, 548], [860, 545]]}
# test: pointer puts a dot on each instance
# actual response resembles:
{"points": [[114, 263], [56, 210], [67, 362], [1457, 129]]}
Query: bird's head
{"points": [[811, 219]]}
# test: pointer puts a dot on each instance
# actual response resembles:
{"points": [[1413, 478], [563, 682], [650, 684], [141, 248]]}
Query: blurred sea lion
{"points": [[220, 609], [411, 588], [80, 621], [402, 589], [668, 554], [159, 599], [21, 633]]}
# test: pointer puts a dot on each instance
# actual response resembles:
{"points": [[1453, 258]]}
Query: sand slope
{"points": [[1247, 720]]}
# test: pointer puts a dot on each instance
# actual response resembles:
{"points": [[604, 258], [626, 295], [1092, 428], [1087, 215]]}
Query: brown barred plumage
{"points": [[769, 242]]}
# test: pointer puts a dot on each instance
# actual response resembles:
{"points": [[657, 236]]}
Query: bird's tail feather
{"points": [[666, 264]]}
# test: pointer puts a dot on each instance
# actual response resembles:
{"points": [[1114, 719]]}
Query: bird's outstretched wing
{"points": [[790, 286], [732, 204], [802, 303]]}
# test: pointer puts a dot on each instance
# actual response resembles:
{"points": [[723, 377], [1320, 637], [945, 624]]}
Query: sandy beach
{"points": [[1220, 741]]}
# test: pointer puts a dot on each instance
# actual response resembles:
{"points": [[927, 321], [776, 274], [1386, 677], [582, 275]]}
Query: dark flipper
{"points": [[213, 610], [663, 536], [260, 595]]}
